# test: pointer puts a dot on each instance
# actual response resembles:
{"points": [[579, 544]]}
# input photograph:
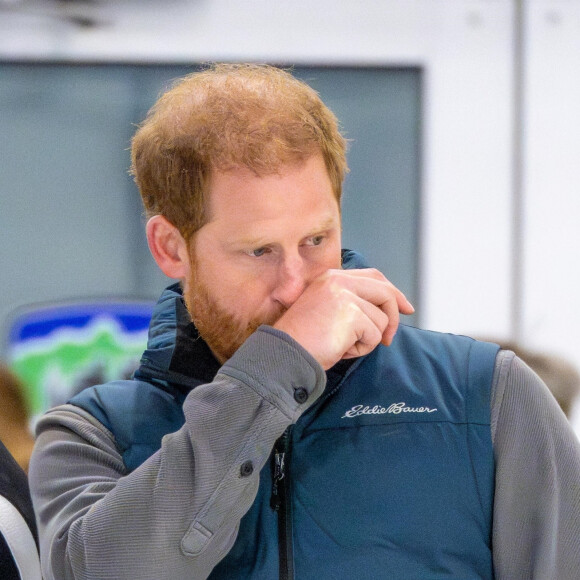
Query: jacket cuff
{"points": [[279, 369]]}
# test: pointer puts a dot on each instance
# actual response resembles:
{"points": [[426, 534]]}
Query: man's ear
{"points": [[168, 247]]}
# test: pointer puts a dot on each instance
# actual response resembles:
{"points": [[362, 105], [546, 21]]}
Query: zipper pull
{"points": [[277, 476]]}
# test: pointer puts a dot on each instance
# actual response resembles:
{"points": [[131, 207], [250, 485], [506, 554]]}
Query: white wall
{"points": [[550, 292], [500, 240]]}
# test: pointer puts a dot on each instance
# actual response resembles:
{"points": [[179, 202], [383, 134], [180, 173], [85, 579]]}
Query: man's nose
{"points": [[291, 280]]}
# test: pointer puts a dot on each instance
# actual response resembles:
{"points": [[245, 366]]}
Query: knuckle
{"points": [[377, 274]]}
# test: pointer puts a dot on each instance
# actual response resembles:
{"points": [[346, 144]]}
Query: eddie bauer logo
{"points": [[395, 409]]}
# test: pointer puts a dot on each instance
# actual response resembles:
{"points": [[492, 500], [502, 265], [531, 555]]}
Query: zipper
{"points": [[280, 503], [280, 496]]}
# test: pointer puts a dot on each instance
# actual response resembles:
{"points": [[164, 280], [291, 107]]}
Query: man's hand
{"points": [[345, 314]]}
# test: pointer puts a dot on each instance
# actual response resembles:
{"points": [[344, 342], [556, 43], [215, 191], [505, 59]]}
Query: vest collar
{"points": [[176, 358]]}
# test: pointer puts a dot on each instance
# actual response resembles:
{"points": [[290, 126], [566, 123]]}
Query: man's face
{"points": [[266, 240]]}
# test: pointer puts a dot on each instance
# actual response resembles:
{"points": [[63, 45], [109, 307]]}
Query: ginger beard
{"points": [[219, 326]]}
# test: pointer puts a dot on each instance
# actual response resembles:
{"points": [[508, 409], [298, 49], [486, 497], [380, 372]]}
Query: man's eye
{"points": [[316, 240], [258, 252]]}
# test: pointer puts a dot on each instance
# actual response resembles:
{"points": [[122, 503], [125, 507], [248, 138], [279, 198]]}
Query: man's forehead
{"points": [[248, 210]]}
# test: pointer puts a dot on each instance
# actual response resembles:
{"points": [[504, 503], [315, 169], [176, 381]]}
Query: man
{"points": [[275, 428]]}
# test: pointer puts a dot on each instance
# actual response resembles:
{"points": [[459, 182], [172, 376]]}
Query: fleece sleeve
{"points": [[177, 514], [536, 520]]}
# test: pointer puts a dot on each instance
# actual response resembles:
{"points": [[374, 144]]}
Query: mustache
{"points": [[272, 318]]}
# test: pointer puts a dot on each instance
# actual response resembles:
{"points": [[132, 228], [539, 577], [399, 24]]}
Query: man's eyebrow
{"points": [[327, 224], [258, 241], [250, 242]]}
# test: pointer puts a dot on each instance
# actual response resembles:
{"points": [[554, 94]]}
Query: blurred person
{"points": [[558, 373], [18, 538], [15, 431], [277, 427]]}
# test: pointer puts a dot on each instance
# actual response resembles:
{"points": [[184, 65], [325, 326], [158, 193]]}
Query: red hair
{"points": [[229, 115]]}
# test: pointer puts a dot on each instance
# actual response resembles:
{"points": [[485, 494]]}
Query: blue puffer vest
{"points": [[390, 474]]}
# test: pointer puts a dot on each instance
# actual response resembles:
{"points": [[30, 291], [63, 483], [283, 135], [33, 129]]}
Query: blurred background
{"points": [[464, 125]]}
